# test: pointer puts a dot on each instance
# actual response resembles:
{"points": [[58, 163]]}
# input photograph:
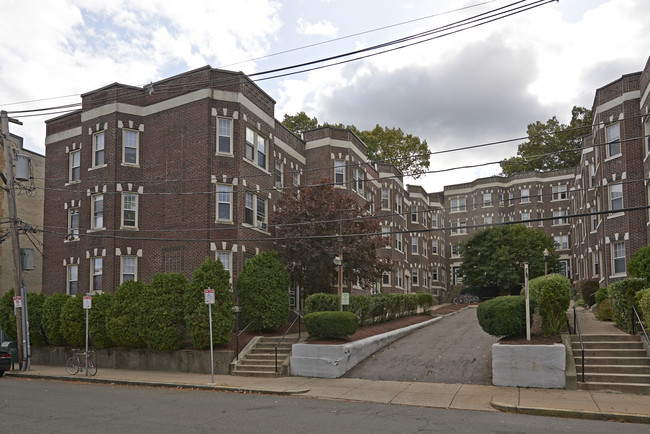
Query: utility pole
{"points": [[23, 341]]}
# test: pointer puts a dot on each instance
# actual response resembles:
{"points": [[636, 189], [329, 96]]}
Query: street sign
{"points": [[18, 302], [345, 299], [88, 302], [209, 296]]}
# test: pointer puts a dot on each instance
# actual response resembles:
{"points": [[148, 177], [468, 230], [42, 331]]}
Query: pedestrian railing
{"points": [[298, 318], [576, 330], [242, 331], [638, 318]]}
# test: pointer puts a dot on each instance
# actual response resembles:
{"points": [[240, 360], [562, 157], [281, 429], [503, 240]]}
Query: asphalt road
{"points": [[452, 350], [45, 406]]}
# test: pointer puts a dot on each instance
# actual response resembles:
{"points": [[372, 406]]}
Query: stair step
{"points": [[591, 360], [254, 373], [256, 367], [616, 378], [639, 389], [615, 369], [613, 353], [608, 337], [618, 345]]}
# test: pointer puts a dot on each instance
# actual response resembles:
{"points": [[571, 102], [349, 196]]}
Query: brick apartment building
{"points": [[147, 180]]}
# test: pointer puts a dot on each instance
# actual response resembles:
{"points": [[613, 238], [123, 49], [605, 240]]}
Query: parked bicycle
{"points": [[77, 362], [466, 298]]}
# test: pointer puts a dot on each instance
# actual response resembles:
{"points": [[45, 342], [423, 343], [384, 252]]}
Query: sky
{"points": [[479, 85]]}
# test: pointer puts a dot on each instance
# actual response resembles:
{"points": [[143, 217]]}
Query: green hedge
{"points": [[331, 324], [622, 296], [97, 317], [35, 303], [643, 301], [503, 316], [7, 317], [552, 294], [601, 295], [321, 302], [51, 318], [123, 312], [587, 288], [73, 322]]}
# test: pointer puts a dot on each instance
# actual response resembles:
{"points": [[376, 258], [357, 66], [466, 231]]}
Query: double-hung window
{"points": [[462, 227], [596, 262], [358, 178], [73, 279], [434, 246], [385, 199], [255, 211], [414, 213], [129, 210], [97, 221], [487, 199], [559, 192], [561, 242], [98, 149], [559, 217], [129, 267], [73, 223], [224, 136], [434, 273], [414, 276], [130, 140], [618, 257], [296, 182], [225, 259], [256, 148], [224, 202], [398, 241], [525, 195], [414, 245], [647, 135], [616, 197], [250, 144], [75, 166], [97, 267], [261, 152], [459, 204], [434, 220], [339, 172], [525, 217], [613, 140], [278, 173]]}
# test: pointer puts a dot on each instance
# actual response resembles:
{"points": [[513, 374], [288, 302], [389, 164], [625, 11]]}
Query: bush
{"points": [[123, 312], [35, 303], [643, 301], [263, 289], [7, 317], [73, 321], [425, 300], [622, 295], [601, 295], [358, 306], [331, 324], [503, 316], [552, 294], [160, 319], [604, 311], [587, 288], [210, 274], [51, 318], [97, 320], [321, 302], [639, 265]]}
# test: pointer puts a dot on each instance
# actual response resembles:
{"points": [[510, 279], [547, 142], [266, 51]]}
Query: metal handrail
{"points": [[298, 317], [641, 323], [242, 331], [576, 327]]}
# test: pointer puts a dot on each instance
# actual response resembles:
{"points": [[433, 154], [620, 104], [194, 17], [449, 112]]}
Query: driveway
{"points": [[452, 350]]}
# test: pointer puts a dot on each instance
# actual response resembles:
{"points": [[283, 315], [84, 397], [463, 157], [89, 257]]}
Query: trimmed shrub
{"points": [[97, 320], [73, 322], [121, 325], [643, 301], [358, 306], [263, 289], [210, 274], [503, 316], [622, 296], [331, 324], [51, 318], [425, 300], [552, 294], [321, 302], [7, 317], [160, 319], [601, 295], [604, 311], [35, 303], [587, 288], [639, 265]]}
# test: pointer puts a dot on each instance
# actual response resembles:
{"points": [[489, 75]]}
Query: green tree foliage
{"points": [[35, 303], [73, 322], [123, 312], [51, 318], [300, 122], [552, 294], [495, 256], [210, 274], [503, 316], [643, 301], [97, 320], [161, 313], [639, 265], [308, 257], [263, 289], [7, 317], [622, 295], [551, 145]]}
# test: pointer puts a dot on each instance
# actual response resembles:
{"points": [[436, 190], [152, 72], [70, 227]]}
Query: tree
{"points": [[300, 122], [551, 145], [307, 228], [640, 264], [263, 290], [52, 318], [122, 315], [495, 256]]}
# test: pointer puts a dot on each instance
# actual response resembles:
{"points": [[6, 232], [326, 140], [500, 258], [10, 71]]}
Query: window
{"points": [[434, 220], [434, 246], [462, 227], [459, 204], [250, 144], [487, 220], [596, 261], [129, 210], [130, 140], [357, 180], [647, 135], [261, 152], [414, 213], [501, 202], [487, 199], [255, 211], [398, 241], [73, 279], [614, 140], [75, 166], [339, 172], [561, 242], [97, 265], [616, 197], [434, 273], [540, 195], [398, 204], [98, 212], [511, 198], [414, 245], [455, 250], [458, 278], [278, 173], [225, 258], [454, 228], [559, 192], [540, 216], [592, 175], [296, 183], [128, 268], [224, 201], [424, 247], [385, 230], [98, 149], [525, 195], [73, 223], [559, 217], [525, 217], [414, 276], [256, 148], [385, 198], [618, 257], [564, 268], [399, 278], [224, 136], [385, 278], [594, 222], [370, 197]]}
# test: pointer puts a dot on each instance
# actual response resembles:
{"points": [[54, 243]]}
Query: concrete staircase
{"points": [[614, 362], [258, 358]]}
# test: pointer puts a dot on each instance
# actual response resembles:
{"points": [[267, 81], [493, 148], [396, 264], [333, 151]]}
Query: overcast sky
{"points": [[480, 85]]}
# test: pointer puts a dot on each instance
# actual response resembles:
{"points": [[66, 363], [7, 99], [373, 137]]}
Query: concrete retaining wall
{"points": [[540, 366], [332, 361], [122, 358]]}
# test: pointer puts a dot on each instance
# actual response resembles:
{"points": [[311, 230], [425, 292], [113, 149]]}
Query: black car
{"points": [[5, 362]]}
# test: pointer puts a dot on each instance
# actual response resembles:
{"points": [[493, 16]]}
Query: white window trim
{"points": [[135, 274], [92, 213], [275, 172], [217, 151], [137, 211], [229, 255], [70, 236], [68, 280], [266, 213], [137, 147], [70, 167], [255, 159], [609, 142], [92, 273], [94, 150], [230, 204], [611, 200], [613, 252]]}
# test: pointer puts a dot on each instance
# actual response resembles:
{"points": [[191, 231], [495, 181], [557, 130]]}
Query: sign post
{"points": [[209, 300], [88, 304], [527, 302]]}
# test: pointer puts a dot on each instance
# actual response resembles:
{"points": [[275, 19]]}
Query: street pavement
{"points": [[583, 404]]}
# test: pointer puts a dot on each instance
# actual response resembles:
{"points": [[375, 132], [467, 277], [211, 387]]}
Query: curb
{"points": [[576, 414], [84, 379]]}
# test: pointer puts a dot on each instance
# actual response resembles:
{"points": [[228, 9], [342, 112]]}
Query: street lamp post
{"points": [[545, 262]]}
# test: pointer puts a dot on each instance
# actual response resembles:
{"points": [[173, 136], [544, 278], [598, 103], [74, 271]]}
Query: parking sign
{"points": [[209, 296], [88, 302]]}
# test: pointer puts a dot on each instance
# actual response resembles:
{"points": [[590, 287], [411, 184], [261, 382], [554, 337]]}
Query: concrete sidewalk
{"points": [[550, 402]]}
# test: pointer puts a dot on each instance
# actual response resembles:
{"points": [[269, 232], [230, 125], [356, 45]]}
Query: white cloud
{"points": [[321, 28]]}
